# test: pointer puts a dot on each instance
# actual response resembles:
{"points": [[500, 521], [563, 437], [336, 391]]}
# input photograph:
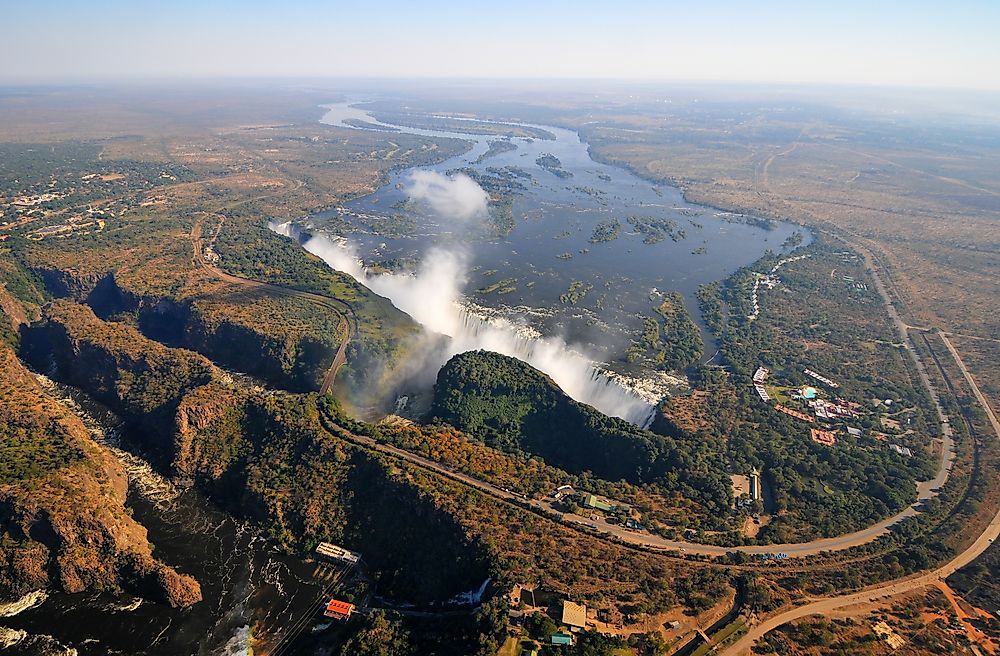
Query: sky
{"points": [[875, 42]]}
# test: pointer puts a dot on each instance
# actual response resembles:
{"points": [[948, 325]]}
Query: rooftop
{"points": [[574, 614]]}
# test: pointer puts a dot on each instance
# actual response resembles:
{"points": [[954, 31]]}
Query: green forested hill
{"points": [[513, 407]]}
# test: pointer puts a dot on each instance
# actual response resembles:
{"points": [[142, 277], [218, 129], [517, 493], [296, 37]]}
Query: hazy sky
{"points": [[946, 43]]}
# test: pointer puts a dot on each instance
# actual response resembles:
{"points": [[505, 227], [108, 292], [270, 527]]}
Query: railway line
{"points": [[649, 542], [348, 317]]}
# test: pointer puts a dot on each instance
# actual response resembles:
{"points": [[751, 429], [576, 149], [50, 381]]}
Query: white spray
{"points": [[433, 298]]}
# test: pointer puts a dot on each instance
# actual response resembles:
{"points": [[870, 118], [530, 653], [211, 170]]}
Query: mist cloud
{"points": [[432, 297], [457, 196]]}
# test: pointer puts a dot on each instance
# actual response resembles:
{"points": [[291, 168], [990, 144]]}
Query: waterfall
{"points": [[471, 598], [576, 374], [433, 298]]}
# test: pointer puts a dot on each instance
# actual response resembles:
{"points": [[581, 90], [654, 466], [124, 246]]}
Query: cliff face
{"points": [[293, 362], [70, 284], [141, 379], [284, 341], [267, 457], [263, 455], [63, 521]]}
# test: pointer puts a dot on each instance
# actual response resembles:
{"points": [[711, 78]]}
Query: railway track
{"points": [[909, 584], [348, 317]]}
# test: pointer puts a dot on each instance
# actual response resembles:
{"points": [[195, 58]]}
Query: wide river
{"points": [[548, 277], [251, 589]]}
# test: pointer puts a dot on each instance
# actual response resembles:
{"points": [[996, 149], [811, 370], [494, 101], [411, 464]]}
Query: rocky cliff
{"points": [[63, 520], [263, 455], [286, 341], [135, 376], [267, 457]]}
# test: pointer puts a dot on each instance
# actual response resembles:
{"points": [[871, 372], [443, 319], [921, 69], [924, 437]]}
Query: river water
{"points": [[250, 589], [547, 278]]}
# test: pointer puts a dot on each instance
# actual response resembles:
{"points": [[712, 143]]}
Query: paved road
{"points": [[925, 490], [618, 532], [892, 588]]}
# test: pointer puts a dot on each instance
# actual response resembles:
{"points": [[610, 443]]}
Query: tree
{"points": [[379, 636]]}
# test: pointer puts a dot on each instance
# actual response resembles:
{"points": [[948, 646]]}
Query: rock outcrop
{"points": [[263, 455], [63, 520]]}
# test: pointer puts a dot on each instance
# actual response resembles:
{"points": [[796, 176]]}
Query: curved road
{"points": [[329, 303], [892, 588]]}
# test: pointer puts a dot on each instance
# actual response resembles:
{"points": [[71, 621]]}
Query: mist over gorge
{"points": [[433, 296]]}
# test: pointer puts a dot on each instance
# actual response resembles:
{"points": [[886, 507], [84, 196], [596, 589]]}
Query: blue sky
{"points": [[880, 42]]}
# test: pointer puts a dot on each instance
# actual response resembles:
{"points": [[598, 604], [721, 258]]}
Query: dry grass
{"points": [[930, 212]]}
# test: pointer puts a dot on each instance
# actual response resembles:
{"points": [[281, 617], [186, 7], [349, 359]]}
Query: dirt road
{"points": [[337, 306], [892, 588]]}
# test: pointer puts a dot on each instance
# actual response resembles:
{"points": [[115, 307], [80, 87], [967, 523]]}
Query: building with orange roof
{"points": [[826, 438], [338, 610], [793, 413]]}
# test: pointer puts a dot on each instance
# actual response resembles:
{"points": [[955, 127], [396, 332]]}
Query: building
{"points": [[574, 615], [889, 423], [901, 450], [755, 484], [826, 438], [329, 551], [853, 432], [760, 375], [562, 492], [793, 413], [893, 639], [591, 501], [561, 638], [338, 610], [762, 393], [822, 379]]}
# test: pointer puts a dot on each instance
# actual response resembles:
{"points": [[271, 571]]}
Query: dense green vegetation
{"points": [[606, 231], [496, 148], [656, 229], [19, 282], [512, 407], [250, 250], [502, 185], [387, 633], [575, 293], [670, 339], [553, 165], [825, 324], [33, 442]]}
